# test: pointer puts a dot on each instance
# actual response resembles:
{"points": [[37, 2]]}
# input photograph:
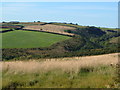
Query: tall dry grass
{"points": [[64, 64]]}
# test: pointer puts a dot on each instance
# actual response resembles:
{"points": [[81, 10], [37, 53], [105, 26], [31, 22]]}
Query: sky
{"points": [[60, 0], [100, 14]]}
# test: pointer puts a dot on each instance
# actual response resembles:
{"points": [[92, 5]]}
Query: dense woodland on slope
{"points": [[87, 40]]}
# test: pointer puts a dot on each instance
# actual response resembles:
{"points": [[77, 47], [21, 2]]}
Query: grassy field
{"points": [[29, 39], [50, 28], [59, 79], [76, 72], [3, 29]]}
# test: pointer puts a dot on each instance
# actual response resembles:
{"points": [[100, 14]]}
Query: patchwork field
{"points": [[30, 39], [76, 72], [50, 28]]}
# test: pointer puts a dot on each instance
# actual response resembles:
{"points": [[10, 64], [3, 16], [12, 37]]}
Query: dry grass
{"points": [[51, 28], [64, 64]]}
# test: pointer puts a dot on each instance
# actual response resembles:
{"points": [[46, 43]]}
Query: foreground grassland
{"points": [[30, 39], [75, 72]]}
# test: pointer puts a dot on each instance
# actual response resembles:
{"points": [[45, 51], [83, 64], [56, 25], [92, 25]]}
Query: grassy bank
{"points": [[76, 72], [89, 77]]}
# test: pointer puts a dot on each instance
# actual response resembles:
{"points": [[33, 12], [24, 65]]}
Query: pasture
{"points": [[30, 39], [4, 29]]}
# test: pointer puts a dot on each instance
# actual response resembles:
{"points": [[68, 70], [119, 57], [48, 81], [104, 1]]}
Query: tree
{"points": [[76, 24], [3, 22]]}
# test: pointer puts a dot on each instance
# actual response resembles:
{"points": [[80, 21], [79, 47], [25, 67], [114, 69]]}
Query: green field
{"points": [[29, 39], [4, 29]]}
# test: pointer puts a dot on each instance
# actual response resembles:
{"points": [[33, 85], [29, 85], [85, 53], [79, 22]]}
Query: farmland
{"points": [[85, 40], [3, 29], [50, 28], [29, 39]]}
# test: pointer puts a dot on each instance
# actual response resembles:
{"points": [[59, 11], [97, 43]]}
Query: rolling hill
{"points": [[34, 43], [48, 57]]}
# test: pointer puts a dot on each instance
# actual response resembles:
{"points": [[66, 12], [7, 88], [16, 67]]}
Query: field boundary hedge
{"points": [[6, 31]]}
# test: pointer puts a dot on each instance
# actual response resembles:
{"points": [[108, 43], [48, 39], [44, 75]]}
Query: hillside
{"points": [[59, 55], [75, 72], [85, 40]]}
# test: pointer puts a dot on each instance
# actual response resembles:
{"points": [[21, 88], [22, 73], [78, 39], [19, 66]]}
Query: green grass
{"points": [[4, 29], [29, 39], [100, 77]]}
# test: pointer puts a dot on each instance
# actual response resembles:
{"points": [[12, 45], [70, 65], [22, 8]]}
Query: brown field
{"points": [[64, 64], [50, 28]]}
